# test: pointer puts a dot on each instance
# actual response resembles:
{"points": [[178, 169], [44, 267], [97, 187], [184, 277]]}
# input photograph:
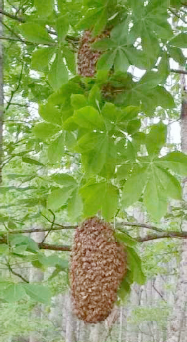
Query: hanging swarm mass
{"points": [[87, 57], [98, 266]]}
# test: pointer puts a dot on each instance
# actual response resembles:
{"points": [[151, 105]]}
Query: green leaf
{"points": [[44, 130], [154, 199], [56, 149], [110, 204], [50, 113], [62, 25], [94, 161], [177, 55], [39, 293], [134, 187], [35, 33], [156, 139], [179, 41], [133, 126], [100, 22], [95, 98], [78, 101], [134, 262], [13, 293], [75, 207], [100, 196], [120, 32], [175, 161], [150, 45], [58, 74], [44, 7], [89, 117], [4, 249], [59, 197], [122, 236], [106, 61], [171, 186], [150, 80], [70, 59], [31, 161], [41, 58], [164, 67], [64, 179], [104, 44], [121, 62]]}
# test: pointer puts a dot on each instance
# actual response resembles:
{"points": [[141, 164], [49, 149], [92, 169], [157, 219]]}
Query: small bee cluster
{"points": [[87, 57]]}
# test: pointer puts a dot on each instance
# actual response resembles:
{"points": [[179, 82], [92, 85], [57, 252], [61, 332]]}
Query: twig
{"points": [[13, 92], [9, 15], [26, 41], [52, 225], [177, 15], [154, 287], [16, 274], [59, 225], [12, 31]]}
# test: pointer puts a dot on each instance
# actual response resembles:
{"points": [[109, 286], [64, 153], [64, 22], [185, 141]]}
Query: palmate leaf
{"points": [[156, 183]]}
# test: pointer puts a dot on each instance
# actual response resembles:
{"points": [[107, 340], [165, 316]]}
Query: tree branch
{"points": [[61, 248], [142, 225], [164, 235]]}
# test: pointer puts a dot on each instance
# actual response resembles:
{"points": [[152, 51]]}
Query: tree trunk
{"points": [[36, 275], [70, 321], [177, 329], [1, 92]]}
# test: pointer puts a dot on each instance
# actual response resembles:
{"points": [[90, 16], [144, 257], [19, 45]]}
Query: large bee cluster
{"points": [[98, 266], [87, 57]]}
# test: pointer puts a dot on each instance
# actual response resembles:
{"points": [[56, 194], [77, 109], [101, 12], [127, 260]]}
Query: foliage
{"points": [[75, 147]]}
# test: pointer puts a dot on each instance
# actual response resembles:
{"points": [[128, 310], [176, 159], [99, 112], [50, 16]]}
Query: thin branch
{"points": [[52, 225], [183, 72], [160, 294], [17, 274], [164, 235], [37, 230], [177, 15], [13, 92], [9, 15], [61, 248], [12, 31], [142, 225], [26, 41]]}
